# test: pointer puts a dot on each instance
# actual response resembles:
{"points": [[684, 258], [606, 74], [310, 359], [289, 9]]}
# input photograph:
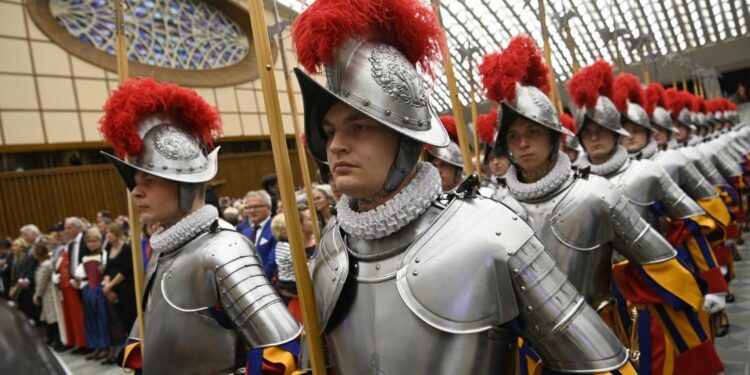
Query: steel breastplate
{"points": [[569, 224], [385, 314], [637, 183], [178, 335]]}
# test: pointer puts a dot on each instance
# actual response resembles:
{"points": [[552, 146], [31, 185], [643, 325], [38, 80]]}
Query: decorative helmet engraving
{"points": [[167, 131], [380, 80]]}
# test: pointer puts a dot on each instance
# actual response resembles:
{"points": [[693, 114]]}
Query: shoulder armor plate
{"points": [[490, 234], [580, 209]]}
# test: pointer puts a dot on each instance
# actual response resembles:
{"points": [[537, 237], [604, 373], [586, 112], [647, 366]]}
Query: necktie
{"points": [[256, 228]]}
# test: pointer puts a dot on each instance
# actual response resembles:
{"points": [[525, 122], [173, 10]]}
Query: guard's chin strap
{"points": [[406, 158], [186, 195]]}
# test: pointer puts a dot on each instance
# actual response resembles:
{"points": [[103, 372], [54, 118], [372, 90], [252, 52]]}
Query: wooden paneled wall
{"points": [[46, 196]]}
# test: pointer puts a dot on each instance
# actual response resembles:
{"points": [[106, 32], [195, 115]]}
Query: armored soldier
{"points": [[396, 290], [651, 192], [447, 160], [206, 293], [581, 218]]}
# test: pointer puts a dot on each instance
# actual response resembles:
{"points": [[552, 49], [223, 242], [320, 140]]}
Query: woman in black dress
{"points": [[118, 285]]}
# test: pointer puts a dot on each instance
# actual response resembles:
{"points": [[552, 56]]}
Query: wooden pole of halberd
{"points": [[286, 184], [458, 113], [135, 222], [301, 149]]}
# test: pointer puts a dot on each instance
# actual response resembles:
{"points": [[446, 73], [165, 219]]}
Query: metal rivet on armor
{"points": [[366, 102], [415, 273], [333, 279], [515, 218], [347, 93], [530, 309], [523, 288], [377, 266], [417, 260], [192, 169], [150, 165], [337, 268], [268, 67], [406, 119], [387, 112], [165, 167], [509, 253], [221, 279], [223, 291], [179, 170], [498, 233], [515, 270]]}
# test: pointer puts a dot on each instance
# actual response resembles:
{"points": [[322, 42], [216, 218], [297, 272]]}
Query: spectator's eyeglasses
{"points": [[256, 207]]}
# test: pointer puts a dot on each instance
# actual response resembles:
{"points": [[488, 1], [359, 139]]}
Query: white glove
{"points": [[56, 278], [714, 302]]}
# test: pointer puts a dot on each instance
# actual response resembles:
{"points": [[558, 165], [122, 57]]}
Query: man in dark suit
{"points": [[258, 208]]}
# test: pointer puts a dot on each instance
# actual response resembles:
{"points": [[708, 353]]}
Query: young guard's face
{"points": [[156, 198], [598, 141], [638, 137], [529, 144], [360, 151]]}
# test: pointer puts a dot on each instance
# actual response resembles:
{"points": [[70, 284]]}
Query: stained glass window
{"points": [[177, 34]]}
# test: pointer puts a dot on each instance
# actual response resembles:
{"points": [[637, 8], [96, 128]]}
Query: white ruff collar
{"points": [[646, 152], [543, 186], [614, 163], [397, 212], [166, 240]]}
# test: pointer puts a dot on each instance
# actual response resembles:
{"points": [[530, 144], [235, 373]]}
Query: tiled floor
{"points": [[734, 349]]}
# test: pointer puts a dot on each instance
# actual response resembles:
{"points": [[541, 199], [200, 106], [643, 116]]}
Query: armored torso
{"points": [[580, 223], [425, 300], [184, 287], [645, 184]]}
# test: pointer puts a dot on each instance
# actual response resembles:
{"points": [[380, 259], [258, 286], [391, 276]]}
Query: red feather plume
{"points": [[449, 123], [698, 104], [141, 97], [628, 88], [724, 104], [711, 106], [678, 100], [731, 106], [487, 126], [520, 62], [589, 83], [568, 122], [655, 97], [408, 25]]}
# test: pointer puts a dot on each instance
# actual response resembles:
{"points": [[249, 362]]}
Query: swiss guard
{"points": [[396, 290], [206, 299], [649, 189]]}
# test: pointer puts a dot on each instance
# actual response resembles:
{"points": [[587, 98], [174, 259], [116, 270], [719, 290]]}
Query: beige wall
{"points": [[49, 96]]}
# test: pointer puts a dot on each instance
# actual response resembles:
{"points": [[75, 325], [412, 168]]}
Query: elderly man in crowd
{"points": [[258, 211]]}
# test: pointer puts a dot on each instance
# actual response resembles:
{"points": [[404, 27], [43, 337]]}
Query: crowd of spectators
{"points": [[75, 282]]}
